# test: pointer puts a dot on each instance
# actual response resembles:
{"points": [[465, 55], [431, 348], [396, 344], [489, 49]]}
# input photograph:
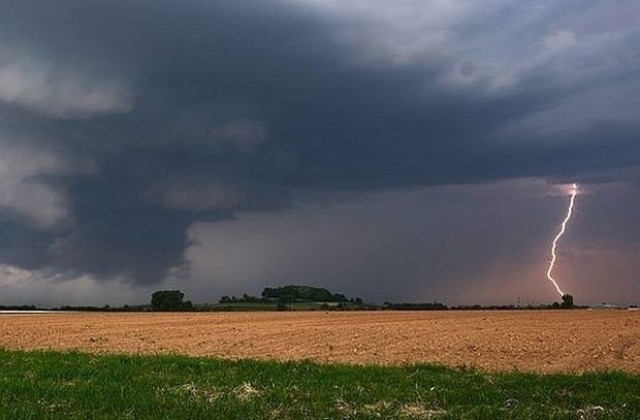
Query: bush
{"points": [[567, 302], [169, 300]]}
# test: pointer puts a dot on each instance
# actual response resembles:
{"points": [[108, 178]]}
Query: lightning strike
{"points": [[563, 227]]}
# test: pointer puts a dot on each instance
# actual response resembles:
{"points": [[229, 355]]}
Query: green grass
{"points": [[46, 385]]}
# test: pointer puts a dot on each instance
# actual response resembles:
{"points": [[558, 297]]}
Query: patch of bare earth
{"points": [[542, 341]]}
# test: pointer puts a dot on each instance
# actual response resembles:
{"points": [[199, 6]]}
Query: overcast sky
{"points": [[405, 150]]}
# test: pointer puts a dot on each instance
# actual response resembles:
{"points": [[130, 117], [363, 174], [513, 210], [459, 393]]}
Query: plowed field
{"points": [[543, 341]]}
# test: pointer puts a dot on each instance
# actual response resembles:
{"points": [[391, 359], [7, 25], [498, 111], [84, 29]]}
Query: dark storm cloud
{"points": [[126, 122]]}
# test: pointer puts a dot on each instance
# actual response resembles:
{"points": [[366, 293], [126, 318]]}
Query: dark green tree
{"points": [[169, 300], [282, 306], [306, 293], [567, 302]]}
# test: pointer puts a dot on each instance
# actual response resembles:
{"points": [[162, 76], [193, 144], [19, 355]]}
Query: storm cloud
{"points": [[130, 129]]}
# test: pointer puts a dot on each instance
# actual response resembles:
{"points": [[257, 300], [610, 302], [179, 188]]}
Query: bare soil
{"points": [[542, 341]]}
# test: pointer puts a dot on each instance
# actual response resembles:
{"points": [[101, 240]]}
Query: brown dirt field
{"points": [[542, 341]]}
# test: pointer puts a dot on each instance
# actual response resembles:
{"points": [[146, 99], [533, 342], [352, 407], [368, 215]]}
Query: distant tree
{"points": [[339, 297], [169, 300], [567, 302], [282, 305], [305, 293]]}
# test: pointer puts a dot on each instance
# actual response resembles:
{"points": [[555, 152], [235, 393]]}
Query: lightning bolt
{"points": [[563, 228]]}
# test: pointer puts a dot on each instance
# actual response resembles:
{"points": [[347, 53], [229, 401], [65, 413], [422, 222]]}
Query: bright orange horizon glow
{"points": [[563, 227]]}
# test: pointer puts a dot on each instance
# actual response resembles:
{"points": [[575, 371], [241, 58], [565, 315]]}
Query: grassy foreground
{"points": [[41, 385]]}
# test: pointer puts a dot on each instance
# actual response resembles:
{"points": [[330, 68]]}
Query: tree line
{"points": [[286, 298]]}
